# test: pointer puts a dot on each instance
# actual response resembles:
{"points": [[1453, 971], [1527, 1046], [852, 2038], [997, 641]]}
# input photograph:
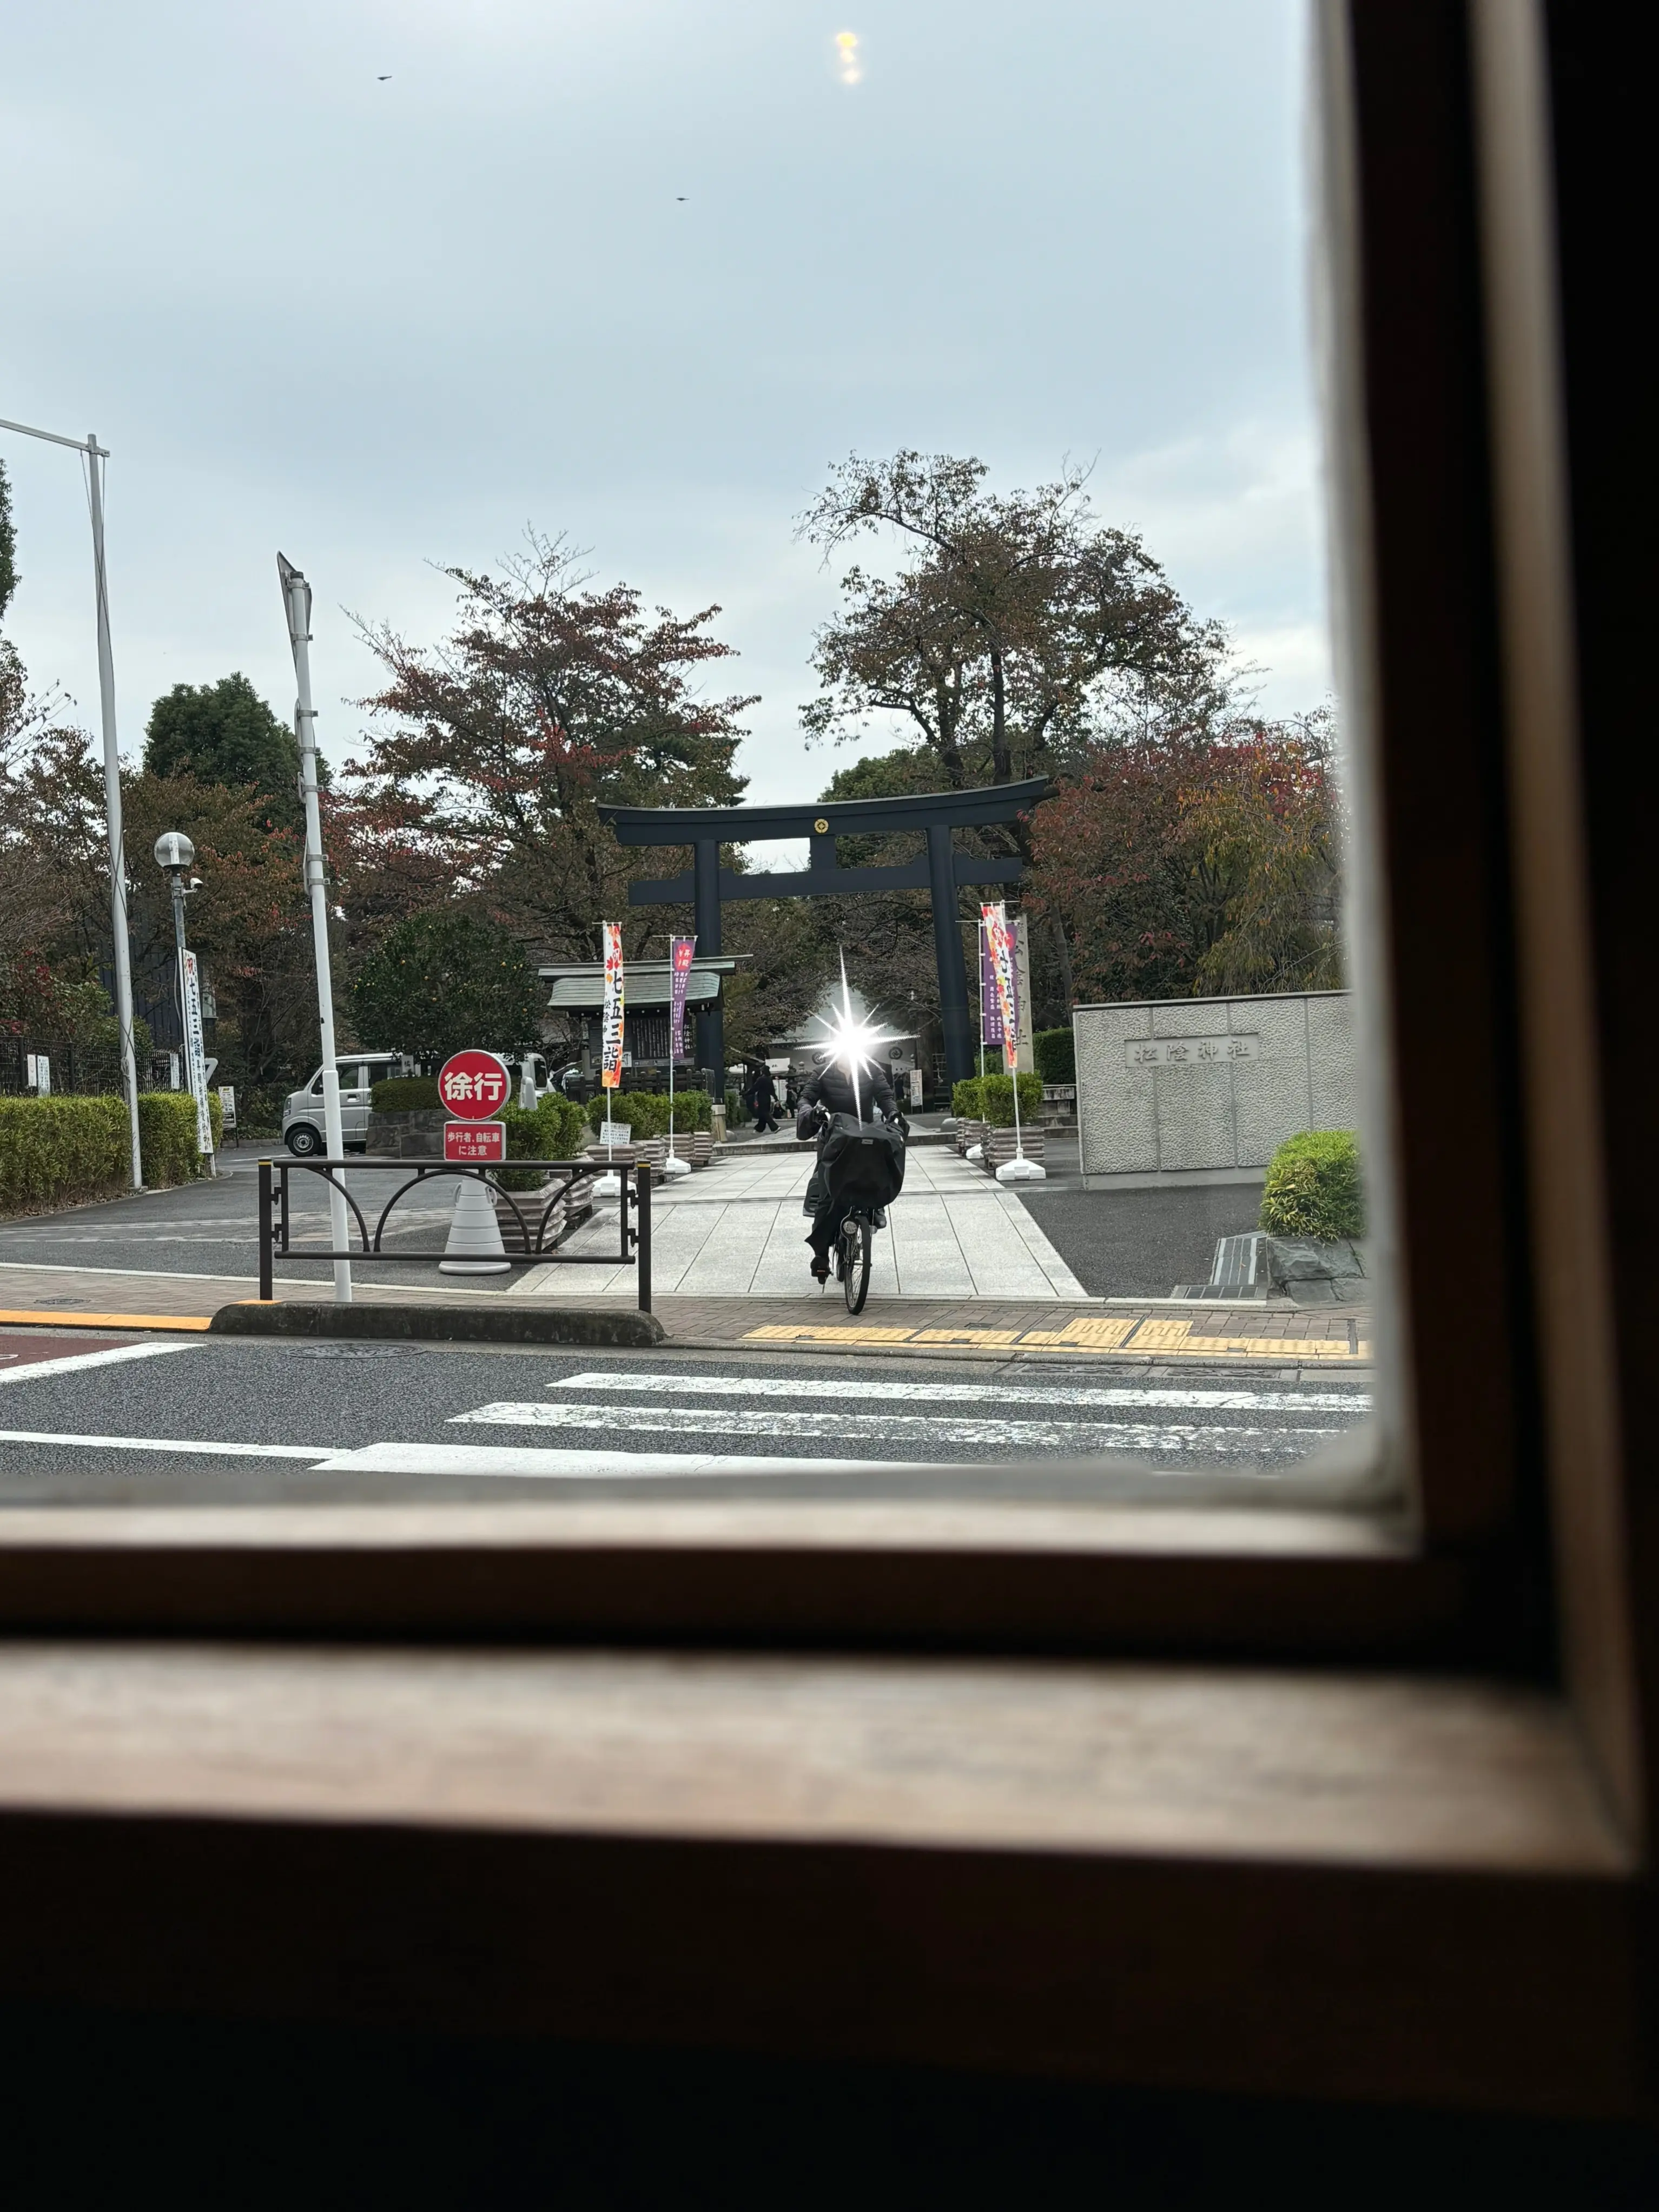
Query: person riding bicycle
{"points": [[831, 1092]]}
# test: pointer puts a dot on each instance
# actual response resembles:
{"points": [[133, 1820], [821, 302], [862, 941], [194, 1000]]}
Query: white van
{"points": [[304, 1131]]}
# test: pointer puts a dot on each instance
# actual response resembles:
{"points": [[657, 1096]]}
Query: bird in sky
{"points": [[386, 79], [680, 196]]}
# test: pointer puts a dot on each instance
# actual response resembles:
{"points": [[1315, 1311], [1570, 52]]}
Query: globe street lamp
{"points": [[175, 853]]}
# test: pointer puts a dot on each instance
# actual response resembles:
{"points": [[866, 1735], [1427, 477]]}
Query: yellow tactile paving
{"points": [[1163, 1340]]}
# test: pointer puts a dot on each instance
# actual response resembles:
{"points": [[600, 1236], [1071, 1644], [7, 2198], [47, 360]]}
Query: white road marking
{"points": [[168, 1445], [549, 1465], [40, 1371], [1010, 1435], [941, 1393]]}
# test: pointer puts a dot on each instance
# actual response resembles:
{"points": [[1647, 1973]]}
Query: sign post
{"points": [[472, 1089]]}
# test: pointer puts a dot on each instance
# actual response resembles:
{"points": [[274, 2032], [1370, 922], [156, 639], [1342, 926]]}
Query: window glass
{"points": [[899, 426]]}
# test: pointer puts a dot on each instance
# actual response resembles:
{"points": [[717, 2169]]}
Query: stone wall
{"points": [[1205, 1088]]}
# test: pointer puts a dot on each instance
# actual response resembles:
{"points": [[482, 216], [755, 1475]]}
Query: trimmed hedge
{"points": [[1313, 1188], [557, 1130], [996, 1099], [967, 1100], [59, 1151], [1055, 1052], [645, 1112], [405, 1094]]}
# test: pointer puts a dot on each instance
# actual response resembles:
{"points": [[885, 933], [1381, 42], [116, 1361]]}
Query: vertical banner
{"points": [[1021, 935], [1000, 948], [196, 1054], [611, 1022], [681, 951], [990, 1006]]}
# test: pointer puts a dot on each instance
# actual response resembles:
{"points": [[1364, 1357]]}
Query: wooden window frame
{"points": [[1490, 1620]]}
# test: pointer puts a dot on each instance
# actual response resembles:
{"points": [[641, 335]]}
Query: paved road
{"points": [[1101, 1243], [166, 1418]]}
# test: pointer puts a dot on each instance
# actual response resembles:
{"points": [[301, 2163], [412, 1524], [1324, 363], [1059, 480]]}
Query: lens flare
{"points": [[850, 1040], [847, 56]]}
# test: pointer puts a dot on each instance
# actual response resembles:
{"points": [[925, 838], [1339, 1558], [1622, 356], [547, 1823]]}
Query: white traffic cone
{"points": [[474, 1245]]}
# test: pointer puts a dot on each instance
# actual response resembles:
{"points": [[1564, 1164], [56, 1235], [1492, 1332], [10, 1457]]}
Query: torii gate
{"points": [[937, 813]]}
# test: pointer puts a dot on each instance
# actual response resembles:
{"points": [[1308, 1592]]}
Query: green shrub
{"points": [[55, 1151], [405, 1094], [968, 1099], [611, 1106], [1313, 1187], [691, 1111], [736, 1114], [1055, 1052], [998, 1093], [555, 1130], [61, 1151], [167, 1135]]}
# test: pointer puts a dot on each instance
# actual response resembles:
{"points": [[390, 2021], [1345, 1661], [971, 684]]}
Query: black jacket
{"points": [[831, 1089]]}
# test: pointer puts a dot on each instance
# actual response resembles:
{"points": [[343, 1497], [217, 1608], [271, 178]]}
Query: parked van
{"points": [[304, 1131]]}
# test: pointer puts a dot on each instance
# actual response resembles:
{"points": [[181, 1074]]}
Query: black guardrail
{"points": [[550, 1213]]}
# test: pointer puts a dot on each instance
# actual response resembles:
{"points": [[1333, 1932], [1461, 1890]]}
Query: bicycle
{"points": [[854, 1252]]}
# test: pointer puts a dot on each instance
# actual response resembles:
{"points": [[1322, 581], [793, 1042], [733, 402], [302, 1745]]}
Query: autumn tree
{"points": [[548, 699], [1016, 628], [1202, 863]]}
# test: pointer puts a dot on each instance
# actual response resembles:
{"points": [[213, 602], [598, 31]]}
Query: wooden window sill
{"points": [[1342, 1884], [1261, 1581]]}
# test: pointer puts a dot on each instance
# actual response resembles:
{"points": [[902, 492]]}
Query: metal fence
{"points": [[537, 1228], [80, 1070]]}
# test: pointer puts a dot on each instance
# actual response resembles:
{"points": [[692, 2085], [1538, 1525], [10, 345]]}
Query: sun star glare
{"points": [[847, 56]]}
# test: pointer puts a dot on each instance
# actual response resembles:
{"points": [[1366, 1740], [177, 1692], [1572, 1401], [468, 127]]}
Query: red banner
{"points": [[611, 1021]]}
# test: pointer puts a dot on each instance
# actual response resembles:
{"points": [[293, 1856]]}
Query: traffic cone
{"points": [[474, 1245]]}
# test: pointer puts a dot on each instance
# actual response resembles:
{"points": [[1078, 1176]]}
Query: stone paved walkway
{"points": [[737, 1231]]}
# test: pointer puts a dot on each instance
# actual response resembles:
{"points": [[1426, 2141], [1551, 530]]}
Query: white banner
{"points": [[196, 1054]]}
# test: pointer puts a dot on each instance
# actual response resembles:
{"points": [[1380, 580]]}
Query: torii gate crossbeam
{"points": [[936, 814]]}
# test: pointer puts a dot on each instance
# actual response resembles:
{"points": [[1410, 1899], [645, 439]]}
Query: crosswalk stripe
{"points": [[944, 1393], [1010, 1435]]}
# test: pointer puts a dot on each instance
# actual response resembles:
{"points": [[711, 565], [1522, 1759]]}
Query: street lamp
{"points": [[297, 607], [95, 455], [175, 853]]}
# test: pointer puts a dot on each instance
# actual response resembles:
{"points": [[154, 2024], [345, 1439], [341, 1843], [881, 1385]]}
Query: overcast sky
{"points": [[387, 325]]}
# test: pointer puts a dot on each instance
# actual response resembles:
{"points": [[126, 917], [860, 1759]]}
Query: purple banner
{"points": [[680, 952], [990, 1007]]}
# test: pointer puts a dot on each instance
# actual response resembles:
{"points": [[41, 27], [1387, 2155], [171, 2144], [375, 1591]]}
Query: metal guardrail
{"points": [[633, 1242]]}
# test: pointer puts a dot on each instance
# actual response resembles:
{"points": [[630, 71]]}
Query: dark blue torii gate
{"points": [[936, 813]]}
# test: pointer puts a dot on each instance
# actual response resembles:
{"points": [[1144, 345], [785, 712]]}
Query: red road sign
{"points": [[470, 1142], [474, 1085]]}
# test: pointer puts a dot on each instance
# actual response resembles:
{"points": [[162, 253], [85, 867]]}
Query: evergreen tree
{"points": [[8, 545], [225, 733]]}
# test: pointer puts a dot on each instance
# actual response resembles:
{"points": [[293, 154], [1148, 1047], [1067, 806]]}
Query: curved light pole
{"points": [[296, 605], [95, 456]]}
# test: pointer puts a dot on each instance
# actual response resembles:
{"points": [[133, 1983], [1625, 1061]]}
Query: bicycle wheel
{"points": [[855, 1272]]}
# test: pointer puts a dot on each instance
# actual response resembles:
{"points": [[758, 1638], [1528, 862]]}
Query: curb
{"points": [[439, 1324]]}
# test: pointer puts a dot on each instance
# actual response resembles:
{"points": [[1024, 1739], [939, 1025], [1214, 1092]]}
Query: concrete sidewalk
{"points": [[739, 1231]]}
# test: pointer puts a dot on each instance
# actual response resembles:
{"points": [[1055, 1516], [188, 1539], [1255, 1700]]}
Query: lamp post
{"points": [[175, 853], [296, 605], [95, 456]]}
